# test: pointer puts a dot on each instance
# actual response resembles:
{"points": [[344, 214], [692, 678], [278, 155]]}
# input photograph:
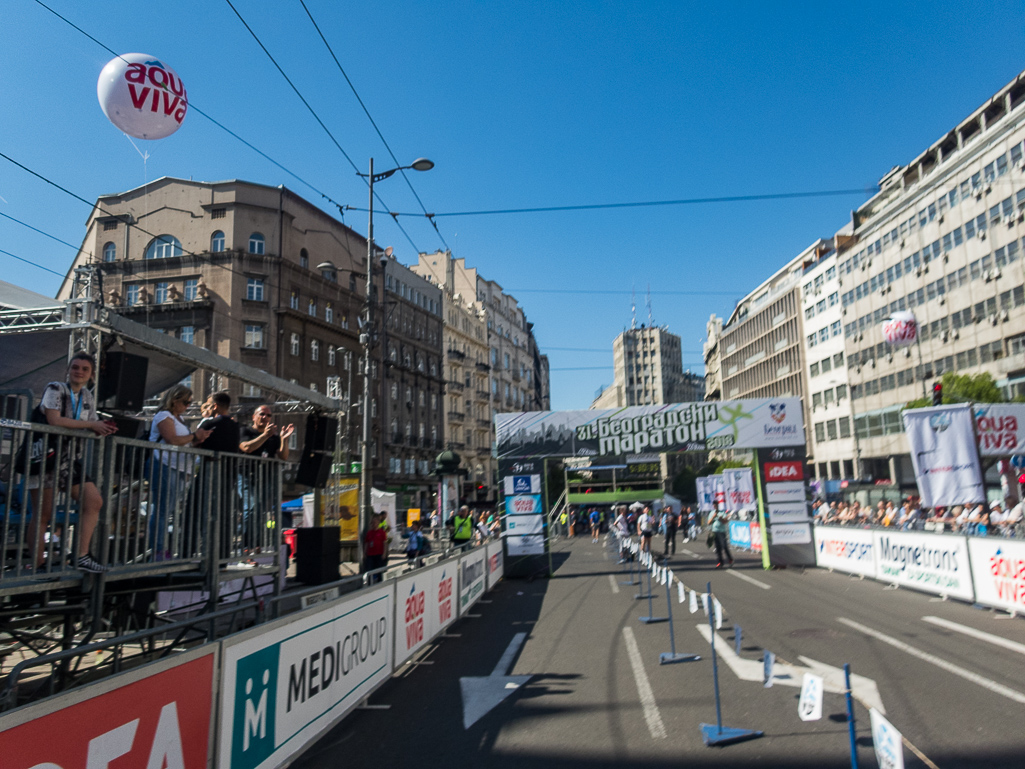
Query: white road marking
{"points": [[932, 659], [751, 580], [982, 636], [612, 581], [651, 714]]}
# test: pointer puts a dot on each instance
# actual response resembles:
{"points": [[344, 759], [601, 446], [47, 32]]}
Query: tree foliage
{"points": [[964, 388]]}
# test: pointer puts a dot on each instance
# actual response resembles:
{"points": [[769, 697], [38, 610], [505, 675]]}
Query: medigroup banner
{"points": [[943, 452], [703, 426]]}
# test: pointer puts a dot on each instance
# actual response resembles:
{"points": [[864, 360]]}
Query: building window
{"points": [[257, 244], [161, 294], [163, 247], [217, 242], [294, 346], [311, 308], [217, 213], [330, 355], [191, 289], [831, 429], [187, 334], [254, 336], [329, 313], [110, 224], [813, 369], [304, 259], [132, 295], [109, 252], [254, 289], [820, 431], [293, 300], [314, 350]]}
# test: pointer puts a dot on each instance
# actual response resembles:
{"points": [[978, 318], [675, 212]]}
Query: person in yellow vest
{"points": [[462, 526], [564, 523]]}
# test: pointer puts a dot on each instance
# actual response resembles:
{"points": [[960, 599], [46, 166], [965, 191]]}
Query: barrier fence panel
{"points": [[930, 562], [998, 571], [845, 549], [472, 577], [285, 683], [160, 714], [424, 607], [41, 518], [496, 562]]}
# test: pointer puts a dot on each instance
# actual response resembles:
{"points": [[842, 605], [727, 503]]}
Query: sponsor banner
{"points": [[785, 491], [776, 472], [931, 562], [531, 544], [1001, 428], [887, 742], [706, 494], [739, 489], [284, 684], [790, 533], [472, 576], [425, 605], [524, 524], [157, 715], [998, 571], [522, 484], [943, 453], [740, 534], [496, 562], [756, 536], [843, 549], [756, 423], [718, 491], [900, 329], [523, 504], [789, 513]]}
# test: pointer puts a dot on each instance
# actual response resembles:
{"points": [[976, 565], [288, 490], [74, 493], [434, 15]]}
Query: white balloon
{"points": [[142, 96]]}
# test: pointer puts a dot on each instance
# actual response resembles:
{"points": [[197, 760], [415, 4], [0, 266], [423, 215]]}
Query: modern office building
{"points": [[943, 239], [648, 369]]}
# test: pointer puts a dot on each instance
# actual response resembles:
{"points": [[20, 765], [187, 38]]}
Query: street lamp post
{"points": [[366, 341]]}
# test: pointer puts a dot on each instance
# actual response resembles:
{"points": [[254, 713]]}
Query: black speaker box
{"points": [[321, 431], [317, 552], [122, 381], [314, 469]]}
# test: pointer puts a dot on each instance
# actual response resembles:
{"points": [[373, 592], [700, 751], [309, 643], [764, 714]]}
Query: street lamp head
{"points": [[325, 266], [422, 164]]}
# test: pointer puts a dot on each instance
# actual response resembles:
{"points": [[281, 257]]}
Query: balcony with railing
{"points": [[456, 416], [456, 355]]}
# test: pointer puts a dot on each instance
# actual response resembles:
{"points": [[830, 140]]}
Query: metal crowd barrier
{"points": [[165, 508]]}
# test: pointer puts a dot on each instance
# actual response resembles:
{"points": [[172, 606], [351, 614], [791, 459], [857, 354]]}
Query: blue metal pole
{"points": [[715, 663], [850, 714]]}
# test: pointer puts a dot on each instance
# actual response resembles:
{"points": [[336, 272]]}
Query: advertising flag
{"points": [[943, 453]]}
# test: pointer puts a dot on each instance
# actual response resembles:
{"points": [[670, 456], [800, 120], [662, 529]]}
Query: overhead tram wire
{"points": [[366, 111], [33, 264], [321, 123], [615, 291]]}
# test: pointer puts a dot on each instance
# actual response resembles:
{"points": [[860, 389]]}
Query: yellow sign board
{"points": [[412, 514], [339, 506]]}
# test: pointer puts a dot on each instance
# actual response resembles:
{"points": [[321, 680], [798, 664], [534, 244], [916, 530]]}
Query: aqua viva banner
{"points": [[744, 424]]}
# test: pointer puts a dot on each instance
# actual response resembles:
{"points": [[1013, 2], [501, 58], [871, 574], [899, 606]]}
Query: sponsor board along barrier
{"points": [[985, 570], [279, 685]]}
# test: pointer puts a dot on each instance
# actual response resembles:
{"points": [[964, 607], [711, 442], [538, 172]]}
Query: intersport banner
{"points": [[1001, 428], [934, 563], [844, 549], [998, 569], [763, 423], [943, 453]]}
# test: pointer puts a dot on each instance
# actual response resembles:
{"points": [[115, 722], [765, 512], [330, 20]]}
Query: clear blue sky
{"points": [[519, 105]]}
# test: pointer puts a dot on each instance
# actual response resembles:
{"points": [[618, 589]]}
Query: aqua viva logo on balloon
{"points": [[142, 96]]}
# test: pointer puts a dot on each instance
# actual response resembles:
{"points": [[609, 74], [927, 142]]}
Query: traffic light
{"points": [[937, 394], [1021, 479]]}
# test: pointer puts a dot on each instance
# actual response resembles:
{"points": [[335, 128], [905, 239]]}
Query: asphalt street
{"points": [[950, 677]]}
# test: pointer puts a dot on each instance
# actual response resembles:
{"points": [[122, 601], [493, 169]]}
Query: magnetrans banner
{"points": [[848, 550], [155, 716], [636, 429], [998, 570], [285, 683], [425, 606], [930, 562], [472, 577]]}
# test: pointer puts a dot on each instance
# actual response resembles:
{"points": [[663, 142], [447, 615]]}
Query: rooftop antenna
{"points": [[633, 308], [650, 324]]}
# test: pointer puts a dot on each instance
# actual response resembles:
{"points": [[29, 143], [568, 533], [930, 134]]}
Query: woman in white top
{"points": [[167, 471]]}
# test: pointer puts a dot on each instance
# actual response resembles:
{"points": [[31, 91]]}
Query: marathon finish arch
{"points": [[772, 427]]}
